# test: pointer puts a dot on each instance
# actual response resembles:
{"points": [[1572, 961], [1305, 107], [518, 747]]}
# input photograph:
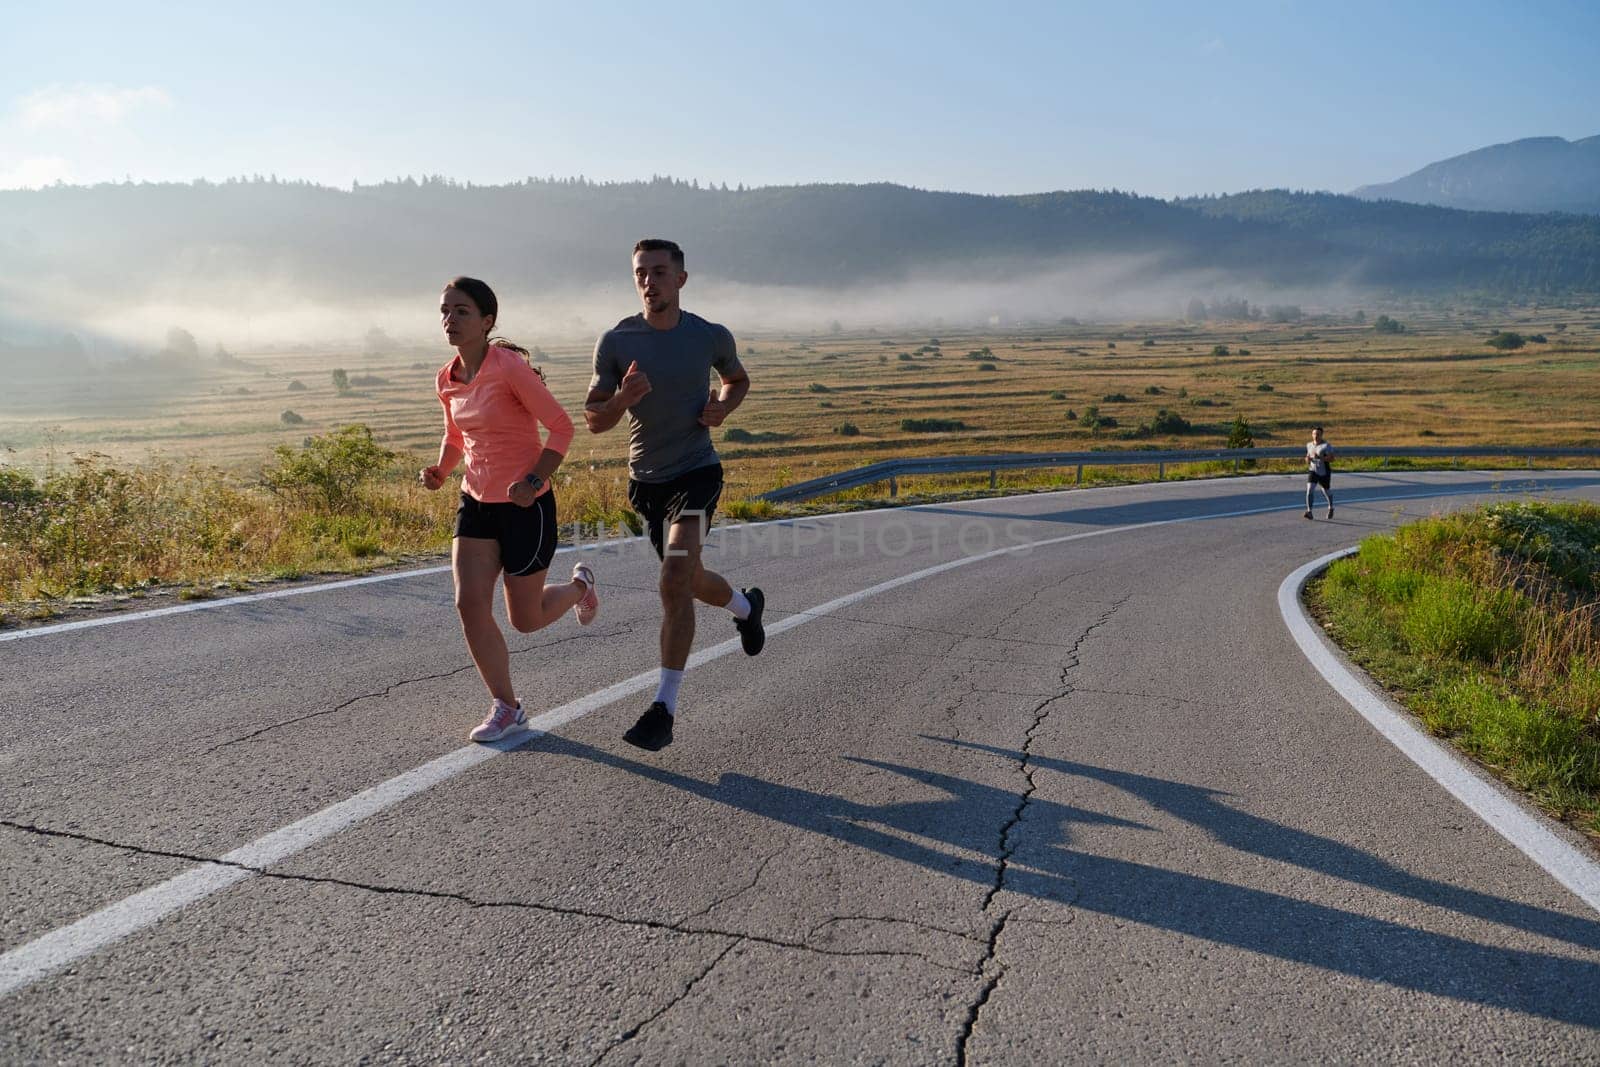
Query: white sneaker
{"points": [[587, 608]]}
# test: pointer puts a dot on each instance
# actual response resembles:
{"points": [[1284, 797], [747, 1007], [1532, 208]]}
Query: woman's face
{"points": [[463, 323]]}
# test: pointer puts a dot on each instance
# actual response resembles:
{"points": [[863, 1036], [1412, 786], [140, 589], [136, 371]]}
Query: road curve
{"points": [[1035, 779]]}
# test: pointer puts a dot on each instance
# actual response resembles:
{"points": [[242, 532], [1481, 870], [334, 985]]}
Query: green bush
{"points": [[1094, 421], [1454, 617], [18, 489], [290, 417], [1114, 398], [932, 425], [1057, 394], [1219, 350], [297, 386], [1168, 422], [341, 381], [1561, 537], [847, 429], [328, 473], [818, 387], [1505, 340], [1239, 435], [1384, 324], [987, 366]]}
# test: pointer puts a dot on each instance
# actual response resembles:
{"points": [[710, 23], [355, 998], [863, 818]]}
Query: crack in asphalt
{"points": [[678, 927], [1033, 598], [634, 1032], [989, 966], [391, 687], [385, 691], [741, 891]]}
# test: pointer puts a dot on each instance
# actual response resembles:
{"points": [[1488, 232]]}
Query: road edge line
{"points": [[1529, 831]]}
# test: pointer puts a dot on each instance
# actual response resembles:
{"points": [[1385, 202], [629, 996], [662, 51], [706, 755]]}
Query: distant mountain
{"points": [[79, 254], [1535, 174]]}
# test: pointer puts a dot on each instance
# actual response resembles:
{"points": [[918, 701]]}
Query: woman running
{"points": [[493, 405]]}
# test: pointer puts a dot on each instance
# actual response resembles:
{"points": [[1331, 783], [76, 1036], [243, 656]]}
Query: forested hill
{"points": [[132, 239]]}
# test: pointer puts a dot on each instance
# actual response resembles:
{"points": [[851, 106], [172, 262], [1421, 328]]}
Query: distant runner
{"points": [[1318, 455], [494, 403], [655, 367]]}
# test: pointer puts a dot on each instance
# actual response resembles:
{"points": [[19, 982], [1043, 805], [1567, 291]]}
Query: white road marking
{"points": [[346, 583], [207, 605], [26, 964], [1527, 831]]}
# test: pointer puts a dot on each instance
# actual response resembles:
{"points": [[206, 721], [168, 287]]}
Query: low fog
{"points": [[62, 332]]}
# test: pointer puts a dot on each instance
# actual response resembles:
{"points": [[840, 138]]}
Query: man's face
{"points": [[657, 279], [1316, 437]]}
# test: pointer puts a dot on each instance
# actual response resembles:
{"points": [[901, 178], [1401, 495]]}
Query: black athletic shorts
{"points": [[660, 504], [527, 535], [1313, 478]]}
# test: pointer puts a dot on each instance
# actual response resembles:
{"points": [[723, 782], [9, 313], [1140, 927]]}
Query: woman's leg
{"points": [[530, 541], [476, 563], [531, 605]]}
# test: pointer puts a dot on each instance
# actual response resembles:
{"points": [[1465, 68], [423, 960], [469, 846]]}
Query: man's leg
{"points": [[680, 559], [680, 569], [1311, 484], [745, 605]]}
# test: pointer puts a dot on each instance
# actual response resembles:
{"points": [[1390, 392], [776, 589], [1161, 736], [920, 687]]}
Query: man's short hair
{"points": [[1316, 429], [661, 244]]}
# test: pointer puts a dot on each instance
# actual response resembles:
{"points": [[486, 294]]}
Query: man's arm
{"points": [[603, 409]]}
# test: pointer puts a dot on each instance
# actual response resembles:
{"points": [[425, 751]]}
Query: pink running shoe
{"points": [[589, 606], [503, 718]]}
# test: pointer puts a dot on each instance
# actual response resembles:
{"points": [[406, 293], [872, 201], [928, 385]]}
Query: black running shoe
{"points": [[751, 633], [653, 731]]}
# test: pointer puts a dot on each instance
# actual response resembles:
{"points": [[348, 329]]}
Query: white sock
{"points": [[667, 689], [739, 605]]}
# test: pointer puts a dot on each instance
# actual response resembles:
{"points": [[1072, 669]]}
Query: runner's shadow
{"points": [[1240, 830], [969, 817]]}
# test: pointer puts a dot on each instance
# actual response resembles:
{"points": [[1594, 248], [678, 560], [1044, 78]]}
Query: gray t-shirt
{"points": [[665, 438], [1317, 454]]}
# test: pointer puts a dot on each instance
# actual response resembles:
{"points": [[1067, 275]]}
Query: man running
{"points": [[656, 368], [1318, 454]]}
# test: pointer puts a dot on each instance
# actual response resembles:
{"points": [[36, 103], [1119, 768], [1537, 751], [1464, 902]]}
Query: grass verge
{"points": [[1486, 624]]}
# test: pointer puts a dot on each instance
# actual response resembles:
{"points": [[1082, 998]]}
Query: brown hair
{"points": [[661, 244], [503, 342]]}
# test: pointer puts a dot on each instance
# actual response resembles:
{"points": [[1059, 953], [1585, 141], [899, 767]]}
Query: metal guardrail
{"points": [[892, 470]]}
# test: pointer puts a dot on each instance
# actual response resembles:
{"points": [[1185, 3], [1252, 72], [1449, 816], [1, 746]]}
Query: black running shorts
{"points": [[660, 504], [1313, 478], [527, 535]]}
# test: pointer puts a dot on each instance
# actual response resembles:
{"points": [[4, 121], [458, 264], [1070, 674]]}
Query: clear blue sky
{"points": [[1160, 98]]}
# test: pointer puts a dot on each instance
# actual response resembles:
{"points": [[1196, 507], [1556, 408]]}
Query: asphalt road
{"points": [[1085, 801]]}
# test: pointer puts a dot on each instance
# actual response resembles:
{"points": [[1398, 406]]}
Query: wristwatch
{"points": [[535, 481]]}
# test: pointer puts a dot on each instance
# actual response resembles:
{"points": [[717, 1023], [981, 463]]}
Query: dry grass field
{"points": [[1436, 383], [819, 404]]}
